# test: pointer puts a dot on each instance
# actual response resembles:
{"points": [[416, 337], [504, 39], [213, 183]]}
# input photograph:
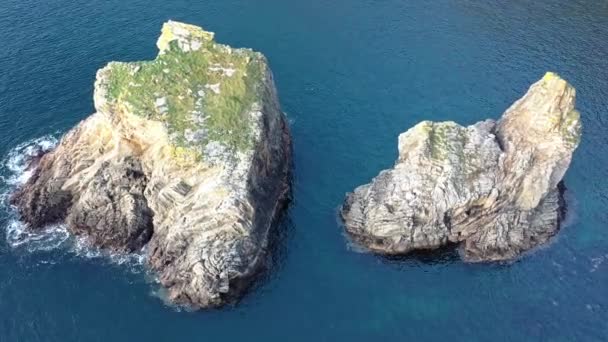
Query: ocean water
{"points": [[351, 76]]}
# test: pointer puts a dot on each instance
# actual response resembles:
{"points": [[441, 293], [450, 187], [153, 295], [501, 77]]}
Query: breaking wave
{"points": [[14, 172]]}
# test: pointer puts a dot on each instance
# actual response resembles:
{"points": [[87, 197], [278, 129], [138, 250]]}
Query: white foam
{"points": [[17, 160], [49, 238], [13, 173], [133, 261], [597, 262]]}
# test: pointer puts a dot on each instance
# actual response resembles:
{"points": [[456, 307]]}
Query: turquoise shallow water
{"points": [[351, 75]]}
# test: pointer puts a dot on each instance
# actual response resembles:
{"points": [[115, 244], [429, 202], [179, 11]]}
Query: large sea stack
{"points": [[188, 154], [494, 188]]}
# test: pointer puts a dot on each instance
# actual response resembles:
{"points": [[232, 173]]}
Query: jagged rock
{"points": [[188, 154], [493, 187], [112, 210]]}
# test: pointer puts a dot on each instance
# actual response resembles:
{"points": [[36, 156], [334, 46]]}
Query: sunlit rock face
{"points": [[493, 187], [188, 155]]}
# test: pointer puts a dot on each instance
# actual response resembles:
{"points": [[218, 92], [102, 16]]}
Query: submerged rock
{"points": [[493, 187], [198, 176]]}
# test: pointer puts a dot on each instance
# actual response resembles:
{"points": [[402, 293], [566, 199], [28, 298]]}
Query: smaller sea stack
{"points": [[494, 188]]}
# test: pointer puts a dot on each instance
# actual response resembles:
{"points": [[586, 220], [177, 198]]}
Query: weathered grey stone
{"points": [[490, 187]]}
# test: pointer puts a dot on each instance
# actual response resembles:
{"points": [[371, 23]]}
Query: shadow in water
{"points": [[444, 255]]}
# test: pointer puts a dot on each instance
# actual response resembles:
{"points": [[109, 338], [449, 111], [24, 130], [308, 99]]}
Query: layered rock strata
{"points": [[493, 187]]}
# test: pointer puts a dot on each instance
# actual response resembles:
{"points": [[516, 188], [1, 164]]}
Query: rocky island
{"points": [[493, 188], [188, 154]]}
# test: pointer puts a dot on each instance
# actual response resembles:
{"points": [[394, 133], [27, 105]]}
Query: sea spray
{"points": [[15, 171]]}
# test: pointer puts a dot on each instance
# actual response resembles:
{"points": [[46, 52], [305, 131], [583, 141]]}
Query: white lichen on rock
{"points": [[214, 87], [224, 71], [490, 187]]}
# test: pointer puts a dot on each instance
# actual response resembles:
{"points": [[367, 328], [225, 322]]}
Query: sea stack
{"points": [[188, 154], [493, 188]]}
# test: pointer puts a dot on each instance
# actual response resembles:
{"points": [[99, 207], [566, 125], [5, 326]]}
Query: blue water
{"points": [[351, 75]]}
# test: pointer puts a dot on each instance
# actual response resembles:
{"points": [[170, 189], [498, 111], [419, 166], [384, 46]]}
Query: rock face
{"points": [[493, 187], [188, 154]]}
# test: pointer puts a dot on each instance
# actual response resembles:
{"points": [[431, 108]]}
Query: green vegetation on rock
{"points": [[446, 138], [571, 128], [201, 90]]}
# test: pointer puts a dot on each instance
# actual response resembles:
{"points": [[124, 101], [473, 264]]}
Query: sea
{"points": [[351, 76]]}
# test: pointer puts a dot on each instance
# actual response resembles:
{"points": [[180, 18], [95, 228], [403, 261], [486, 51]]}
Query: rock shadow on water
{"points": [[441, 256]]}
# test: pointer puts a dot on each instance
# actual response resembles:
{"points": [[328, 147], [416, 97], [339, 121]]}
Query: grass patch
{"points": [[201, 96]]}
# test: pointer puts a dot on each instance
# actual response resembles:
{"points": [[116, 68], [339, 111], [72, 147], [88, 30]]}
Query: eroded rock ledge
{"points": [[188, 154], [493, 187]]}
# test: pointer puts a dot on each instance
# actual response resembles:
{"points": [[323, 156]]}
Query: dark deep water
{"points": [[351, 76]]}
